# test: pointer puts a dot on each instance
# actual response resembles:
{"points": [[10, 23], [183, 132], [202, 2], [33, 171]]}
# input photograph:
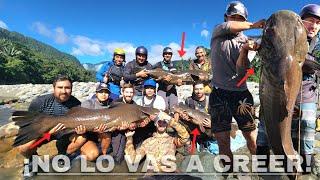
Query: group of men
{"points": [[218, 96]]}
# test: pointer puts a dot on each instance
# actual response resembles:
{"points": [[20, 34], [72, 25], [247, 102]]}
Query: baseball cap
{"points": [[102, 86]]}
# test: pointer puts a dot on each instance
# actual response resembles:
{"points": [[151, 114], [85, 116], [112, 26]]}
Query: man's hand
{"points": [[167, 78], [164, 116], [207, 123], [259, 24], [185, 116], [100, 129], [251, 45], [80, 129], [124, 125], [145, 122], [203, 77], [179, 82], [105, 78], [152, 117], [142, 73], [112, 129], [129, 133], [57, 128]]}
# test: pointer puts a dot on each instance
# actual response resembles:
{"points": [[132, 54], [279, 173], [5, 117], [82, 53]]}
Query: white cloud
{"points": [[87, 46], [205, 33], [3, 25], [41, 29], [154, 51], [59, 36], [128, 48]]}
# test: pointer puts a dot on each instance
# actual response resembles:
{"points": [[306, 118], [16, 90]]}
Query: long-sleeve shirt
{"points": [[130, 71], [114, 74], [159, 145], [194, 65]]}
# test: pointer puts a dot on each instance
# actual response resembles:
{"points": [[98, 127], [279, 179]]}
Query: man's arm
{"points": [[182, 133], [129, 149], [128, 74], [243, 61], [238, 26], [310, 65], [101, 73]]}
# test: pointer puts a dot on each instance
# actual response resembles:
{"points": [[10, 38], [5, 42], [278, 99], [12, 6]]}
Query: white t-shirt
{"points": [[159, 102]]}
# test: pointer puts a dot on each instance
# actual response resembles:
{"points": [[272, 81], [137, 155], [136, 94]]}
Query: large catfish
{"points": [[197, 117], [33, 128], [283, 51], [187, 77]]}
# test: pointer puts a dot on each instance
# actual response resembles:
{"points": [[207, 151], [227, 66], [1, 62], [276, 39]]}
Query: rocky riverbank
{"points": [[25, 93]]}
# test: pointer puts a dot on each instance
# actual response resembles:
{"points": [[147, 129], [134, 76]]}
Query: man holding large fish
{"points": [[57, 104], [229, 63]]}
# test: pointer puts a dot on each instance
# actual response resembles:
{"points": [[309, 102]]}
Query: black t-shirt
{"points": [[49, 105], [170, 89], [120, 100]]}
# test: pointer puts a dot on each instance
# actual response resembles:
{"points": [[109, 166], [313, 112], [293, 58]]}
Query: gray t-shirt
{"points": [[225, 50], [95, 104]]}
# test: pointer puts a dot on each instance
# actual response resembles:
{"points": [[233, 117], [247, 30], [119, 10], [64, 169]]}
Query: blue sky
{"points": [[91, 29]]}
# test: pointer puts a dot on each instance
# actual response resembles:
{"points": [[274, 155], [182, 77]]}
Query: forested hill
{"points": [[26, 60]]}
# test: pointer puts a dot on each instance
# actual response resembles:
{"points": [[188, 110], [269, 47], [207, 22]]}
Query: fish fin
{"points": [[20, 113], [30, 128]]}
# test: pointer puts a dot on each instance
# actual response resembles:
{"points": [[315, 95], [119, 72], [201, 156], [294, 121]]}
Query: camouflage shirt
{"points": [[159, 145]]}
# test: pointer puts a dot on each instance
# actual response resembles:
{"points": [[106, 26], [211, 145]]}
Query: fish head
{"points": [[179, 108], [284, 41], [147, 111]]}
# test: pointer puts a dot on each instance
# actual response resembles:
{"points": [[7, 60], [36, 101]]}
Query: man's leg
{"points": [[90, 150], [263, 147], [242, 110], [221, 122], [77, 141], [105, 142], [251, 138], [118, 145], [223, 139], [25, 149]]}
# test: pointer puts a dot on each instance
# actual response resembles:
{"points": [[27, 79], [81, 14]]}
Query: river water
{"points": [[5, 113]]}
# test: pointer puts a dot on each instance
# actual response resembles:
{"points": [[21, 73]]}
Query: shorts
{"points": [[224, 104]]}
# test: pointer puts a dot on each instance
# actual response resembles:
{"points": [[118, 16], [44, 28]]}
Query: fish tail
{"points": [[30, 127]]}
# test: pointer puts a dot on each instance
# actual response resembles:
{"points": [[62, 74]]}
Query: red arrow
{"points": [[46, 136], [181, 51], [249, 73], [195, 133]]}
